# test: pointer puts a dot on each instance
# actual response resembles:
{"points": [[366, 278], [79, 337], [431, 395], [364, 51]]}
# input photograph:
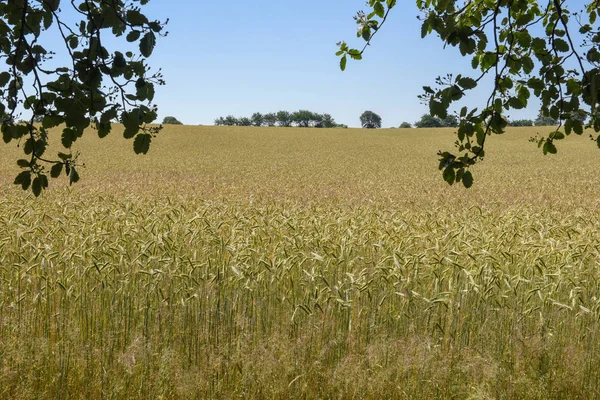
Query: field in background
{"points": [[303, 263]]}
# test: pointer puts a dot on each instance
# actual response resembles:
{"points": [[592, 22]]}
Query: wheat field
{"points": [[303, 263]]}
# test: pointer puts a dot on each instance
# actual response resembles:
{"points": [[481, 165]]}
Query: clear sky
{"points": [[238, 57]]}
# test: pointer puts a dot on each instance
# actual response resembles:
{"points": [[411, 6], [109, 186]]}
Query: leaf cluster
{"points": [[94, 87], [525, 49]]}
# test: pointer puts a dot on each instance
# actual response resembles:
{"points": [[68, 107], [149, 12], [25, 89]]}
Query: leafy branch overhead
{"points": [[96, 87], [560, 66]]}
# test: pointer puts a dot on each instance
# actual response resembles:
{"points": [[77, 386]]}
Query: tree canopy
{"points": [[523, 48], [86, 85], [521, 122], [544, 120], [429, 121], [370, 120], [300, 118], [171, 121]]}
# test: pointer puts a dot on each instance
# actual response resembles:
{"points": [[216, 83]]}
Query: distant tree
{"points": [[405, 125], [257, 119], [428, 121], [284, 118], [542, 120], [317, 120], [230, 120], [328, 121], [451, 121], [303, 118], [171, 121], [244, 121], [270, 119], [520, 122], [370, 120], [581, 118]]}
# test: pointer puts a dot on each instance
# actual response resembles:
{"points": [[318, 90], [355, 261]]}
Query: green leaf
{"points": [[549, 147], [379, 10], [39, 146], [28, 147], [103, 128], [44, 181], [23, 163], [51, 121], [467, 179], [561, 45], [577, 127], [64, 156], [155, 26], [141, 144], [131, 37], [52, 4], [73, 176], [527, 64], [48, 18], [4, 78], [23, 179], [538, 45], [135, 17], [56, 170], [147, 44], [73, 42], [467, 46], [36, 187], [516, 103], [355, 54], [557, 135], [131, 121], [366, 33], [68, 137], [437, 109], [148, 116], [109, 115], [343, 62], [449, 175], [568, 127], [425, 29], [467, 83]]}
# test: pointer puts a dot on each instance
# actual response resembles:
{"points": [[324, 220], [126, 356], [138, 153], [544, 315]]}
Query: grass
{"points": [[291, 263]]}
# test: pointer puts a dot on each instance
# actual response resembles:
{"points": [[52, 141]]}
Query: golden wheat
{"points": [[303, 263]]}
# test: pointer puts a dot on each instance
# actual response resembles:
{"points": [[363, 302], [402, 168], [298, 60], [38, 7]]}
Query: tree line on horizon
{"points": [[300, 118], [451, 121]]}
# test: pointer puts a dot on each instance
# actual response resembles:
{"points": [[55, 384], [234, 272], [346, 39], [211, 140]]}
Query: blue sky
{"points": [[238, 57]]}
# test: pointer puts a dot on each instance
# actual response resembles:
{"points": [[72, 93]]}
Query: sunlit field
{"points": [[303, 263]]}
